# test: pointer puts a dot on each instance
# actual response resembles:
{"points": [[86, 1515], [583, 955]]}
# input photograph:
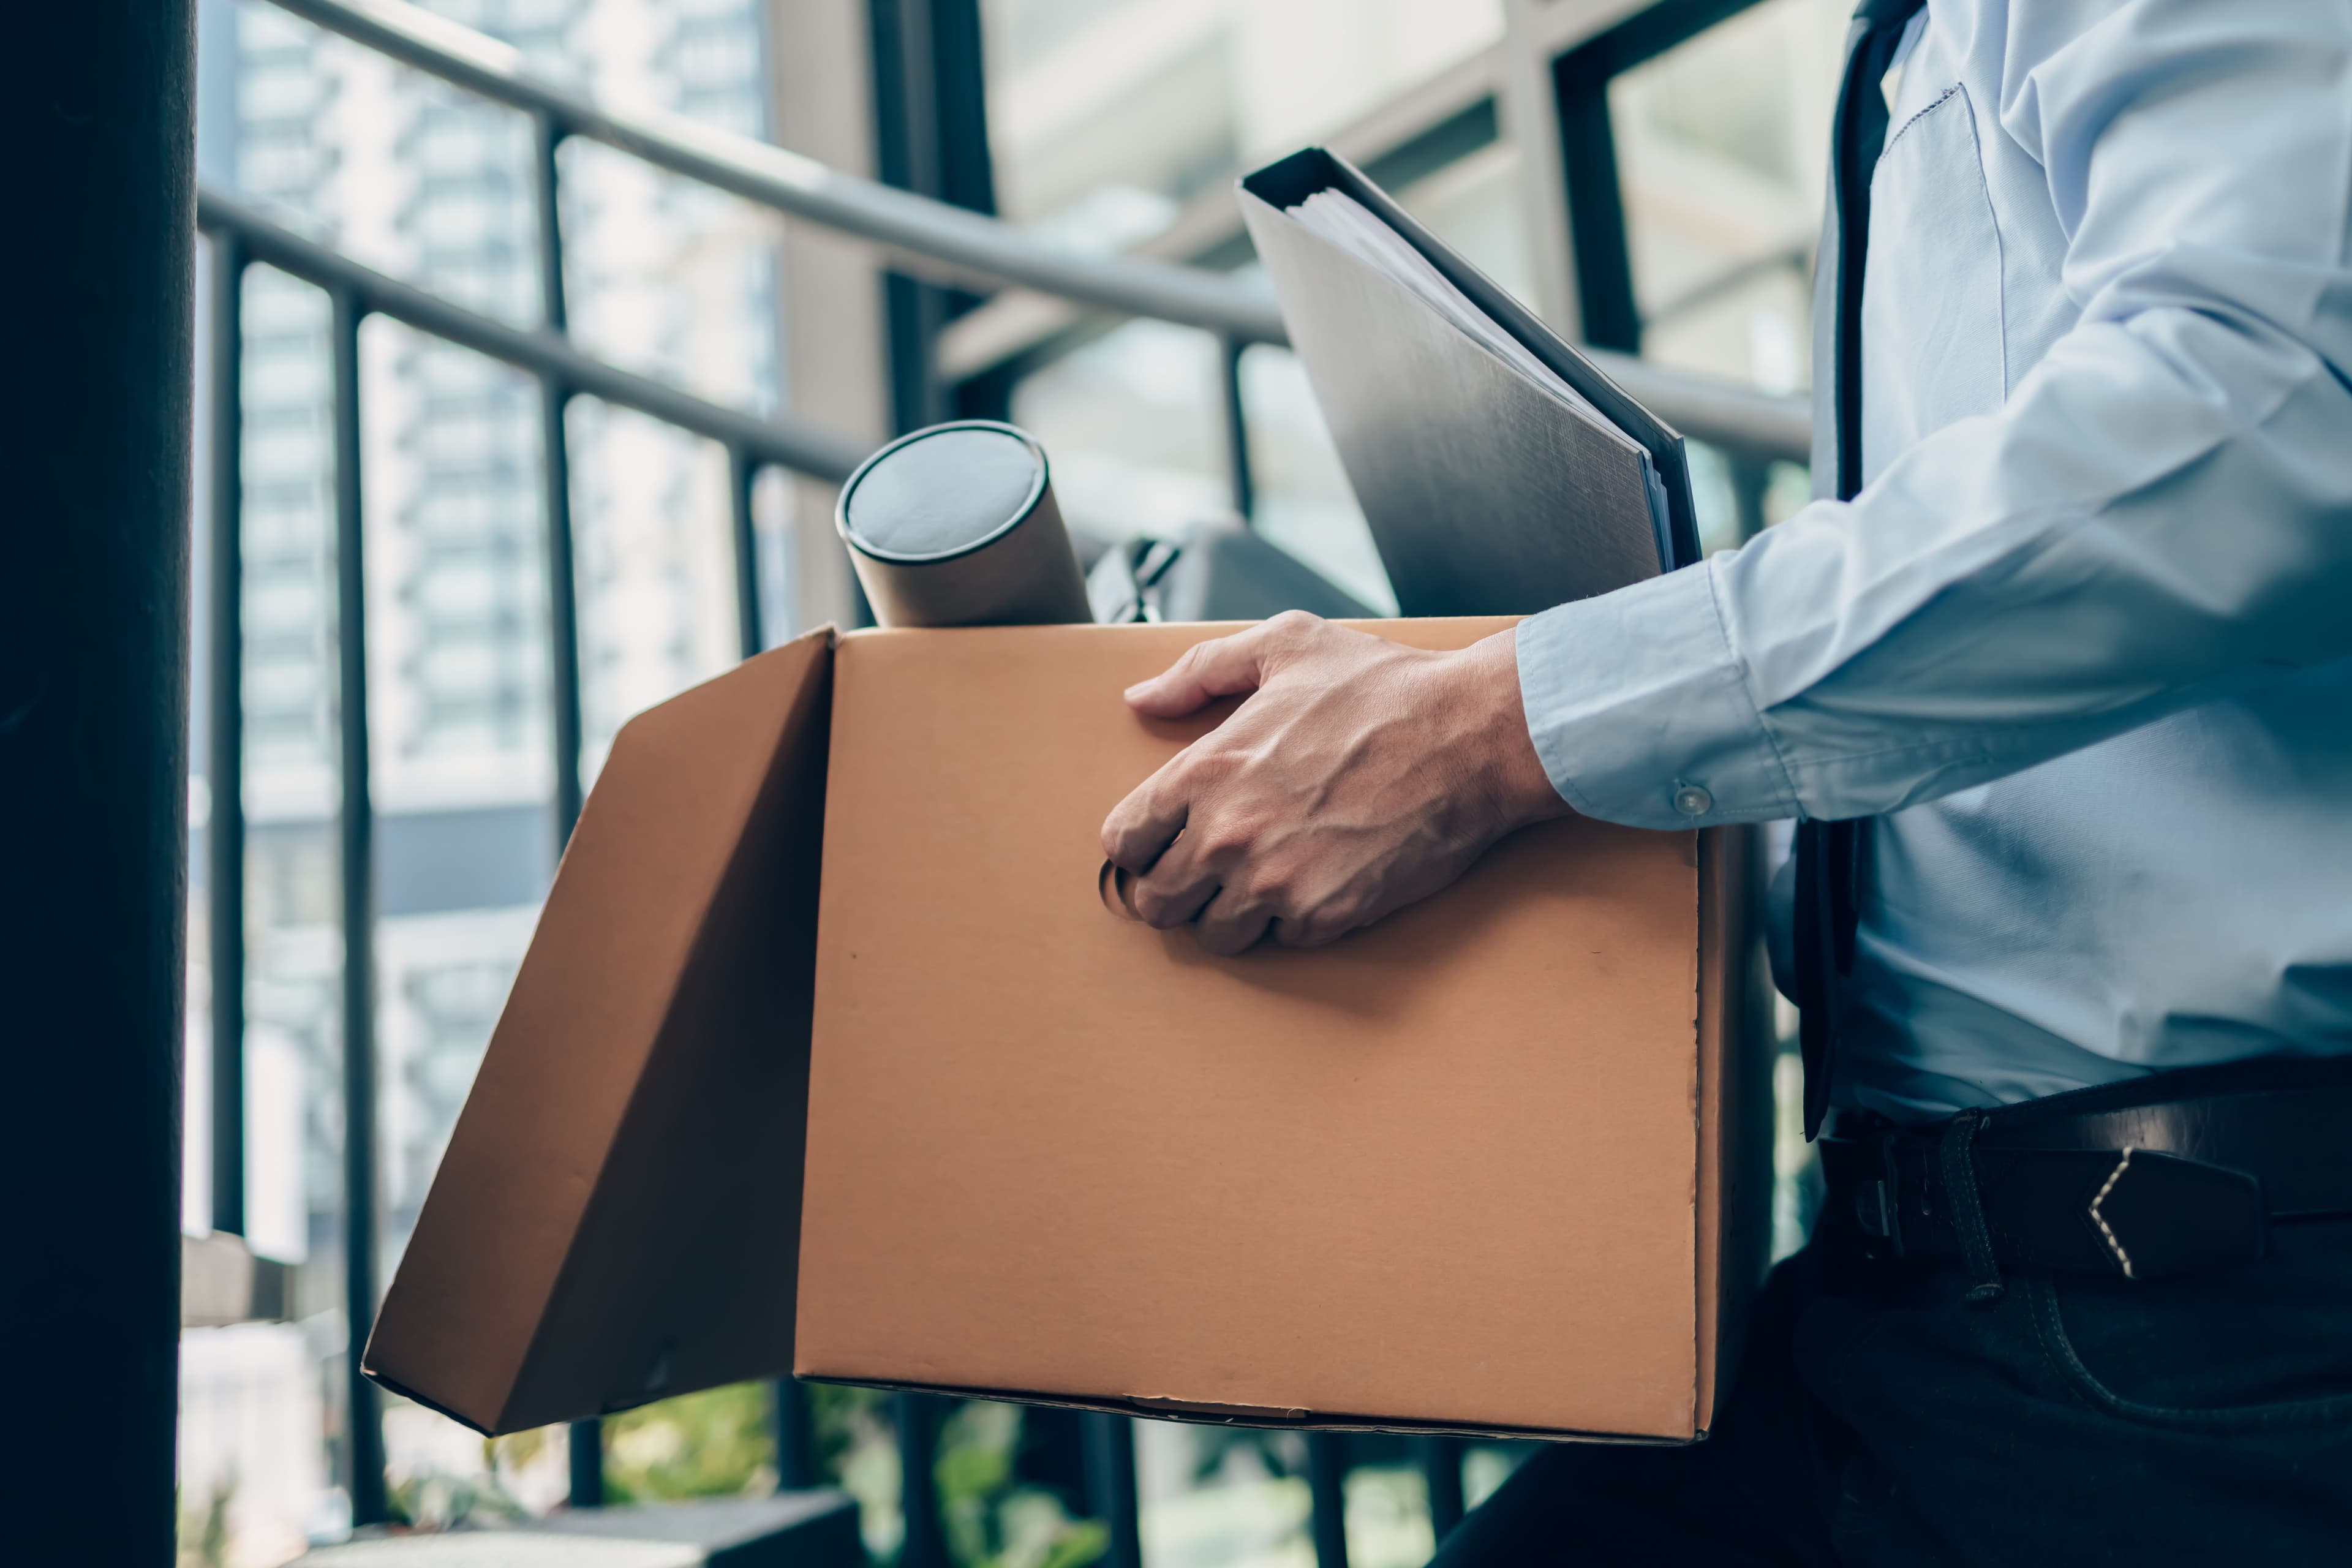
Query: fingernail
{"points": [[1131, 692]]}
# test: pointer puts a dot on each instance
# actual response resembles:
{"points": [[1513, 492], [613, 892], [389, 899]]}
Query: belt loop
{"points": [[1878, 1204], [1960, 1163]]}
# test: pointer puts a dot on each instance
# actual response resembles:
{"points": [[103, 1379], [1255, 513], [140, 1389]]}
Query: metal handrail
{"points": [[935, 239], [790, 443], [951, 244]]}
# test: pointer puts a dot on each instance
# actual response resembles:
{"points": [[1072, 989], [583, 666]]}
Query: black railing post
{"points": [[584, 1463], [1110, 1486], [1751, 478], [225, 732], [562, 607], [547, 138], [1441, 1464], [1237, 441], [96, 374], [585, 1455], [788, 1415], [357, 839], [1612, 317], [555, 466], [1327, 1491], [742, 475], [917, 1416]]}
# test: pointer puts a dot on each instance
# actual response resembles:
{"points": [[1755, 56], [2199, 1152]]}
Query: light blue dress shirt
{"points": [[2083, 642]]}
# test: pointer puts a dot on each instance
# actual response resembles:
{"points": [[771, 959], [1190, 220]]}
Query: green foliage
{"points": [[992, 1520], [204, 1530], [857, 1451], [434, 1501], [721, 1443], [717, 1443]]}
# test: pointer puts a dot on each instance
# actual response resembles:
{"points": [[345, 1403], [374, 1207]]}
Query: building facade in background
{"points": [[435, 186]]}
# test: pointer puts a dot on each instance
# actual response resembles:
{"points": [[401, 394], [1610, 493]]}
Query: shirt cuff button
{"points": [[1691, 800]]}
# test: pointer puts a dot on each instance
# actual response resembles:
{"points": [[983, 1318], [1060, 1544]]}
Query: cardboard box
{"points": [[1491, 1165]]}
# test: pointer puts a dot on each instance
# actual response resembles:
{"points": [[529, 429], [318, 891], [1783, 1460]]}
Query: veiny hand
{"points": [[1358, 777]]}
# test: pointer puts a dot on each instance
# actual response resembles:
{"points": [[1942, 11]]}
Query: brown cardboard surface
{"points": [[1479, 1168], [1445, 1172], [614, 1218]]}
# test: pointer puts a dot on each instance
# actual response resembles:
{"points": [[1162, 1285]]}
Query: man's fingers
{"points": [[1306, 932], [1175, 889], [1222, 667], [1139, 828], [1228, 925]]}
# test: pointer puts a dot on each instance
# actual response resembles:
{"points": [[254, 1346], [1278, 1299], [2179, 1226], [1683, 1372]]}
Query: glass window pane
{"points": [[1304, 501], [669, 279], [655, 566], [1722, 149], [1134, 427], [457, 656], [1104, 116]]}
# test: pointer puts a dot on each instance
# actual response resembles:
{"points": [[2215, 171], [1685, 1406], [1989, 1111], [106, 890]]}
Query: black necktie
{"points": [[1829, 853]]}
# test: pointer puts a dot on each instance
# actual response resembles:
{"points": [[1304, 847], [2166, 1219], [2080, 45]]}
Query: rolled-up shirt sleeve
{"points": [[2160, 511]]}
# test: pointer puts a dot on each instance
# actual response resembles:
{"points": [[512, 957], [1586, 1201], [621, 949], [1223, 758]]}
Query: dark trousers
{"points": [[1877, 1419]]}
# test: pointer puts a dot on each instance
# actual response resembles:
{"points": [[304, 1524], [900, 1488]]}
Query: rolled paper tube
{"points": [[956, 526]]}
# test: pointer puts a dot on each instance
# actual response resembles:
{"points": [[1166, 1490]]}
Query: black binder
{"points": [[1486, 494]]}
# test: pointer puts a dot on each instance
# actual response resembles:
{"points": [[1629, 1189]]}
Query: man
{"points": [[2072, 630]]}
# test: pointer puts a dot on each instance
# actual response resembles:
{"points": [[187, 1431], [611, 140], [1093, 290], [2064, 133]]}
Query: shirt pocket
{"points": [[1931, 299]]}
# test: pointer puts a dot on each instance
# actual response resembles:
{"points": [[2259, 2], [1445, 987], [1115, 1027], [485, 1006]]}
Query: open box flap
{"points": [[617, 1213]]}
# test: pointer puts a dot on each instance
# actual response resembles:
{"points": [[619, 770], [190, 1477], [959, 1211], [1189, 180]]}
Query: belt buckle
{"points": [[1878, 1206]]}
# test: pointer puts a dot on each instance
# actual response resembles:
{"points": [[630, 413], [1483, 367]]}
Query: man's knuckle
{"points": [[1275, 889], [1224, 840]]}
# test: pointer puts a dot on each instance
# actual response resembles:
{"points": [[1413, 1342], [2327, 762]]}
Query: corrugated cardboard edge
{"points": [[1732, 1101], [445, 1314], [1158, 1407]]}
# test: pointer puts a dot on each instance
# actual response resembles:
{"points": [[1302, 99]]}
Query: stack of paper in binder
{"points": [[1500, 470]]}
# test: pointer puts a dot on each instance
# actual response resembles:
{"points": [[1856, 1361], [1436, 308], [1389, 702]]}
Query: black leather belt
{"points": [[2182, 1171]]}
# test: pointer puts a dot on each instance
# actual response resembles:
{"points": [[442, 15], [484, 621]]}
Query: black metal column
{"points": [[225, 734], [742, 476], [1596, 206], [562, 607], [356, 842], [1110, 1486], [585, 1453], [918, 1417], [930, 137], [96, 360], [1441, 1464], [788, 1416], [1751, 479], [1327, 1490], [1237, 441], [555, 468]]}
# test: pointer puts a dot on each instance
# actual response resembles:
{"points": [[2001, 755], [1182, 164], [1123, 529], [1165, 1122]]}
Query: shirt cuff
{"points": [[1640, 711]]}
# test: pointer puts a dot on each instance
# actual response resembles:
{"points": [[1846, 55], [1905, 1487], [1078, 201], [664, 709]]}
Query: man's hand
{"points": [[1358, 777]]}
